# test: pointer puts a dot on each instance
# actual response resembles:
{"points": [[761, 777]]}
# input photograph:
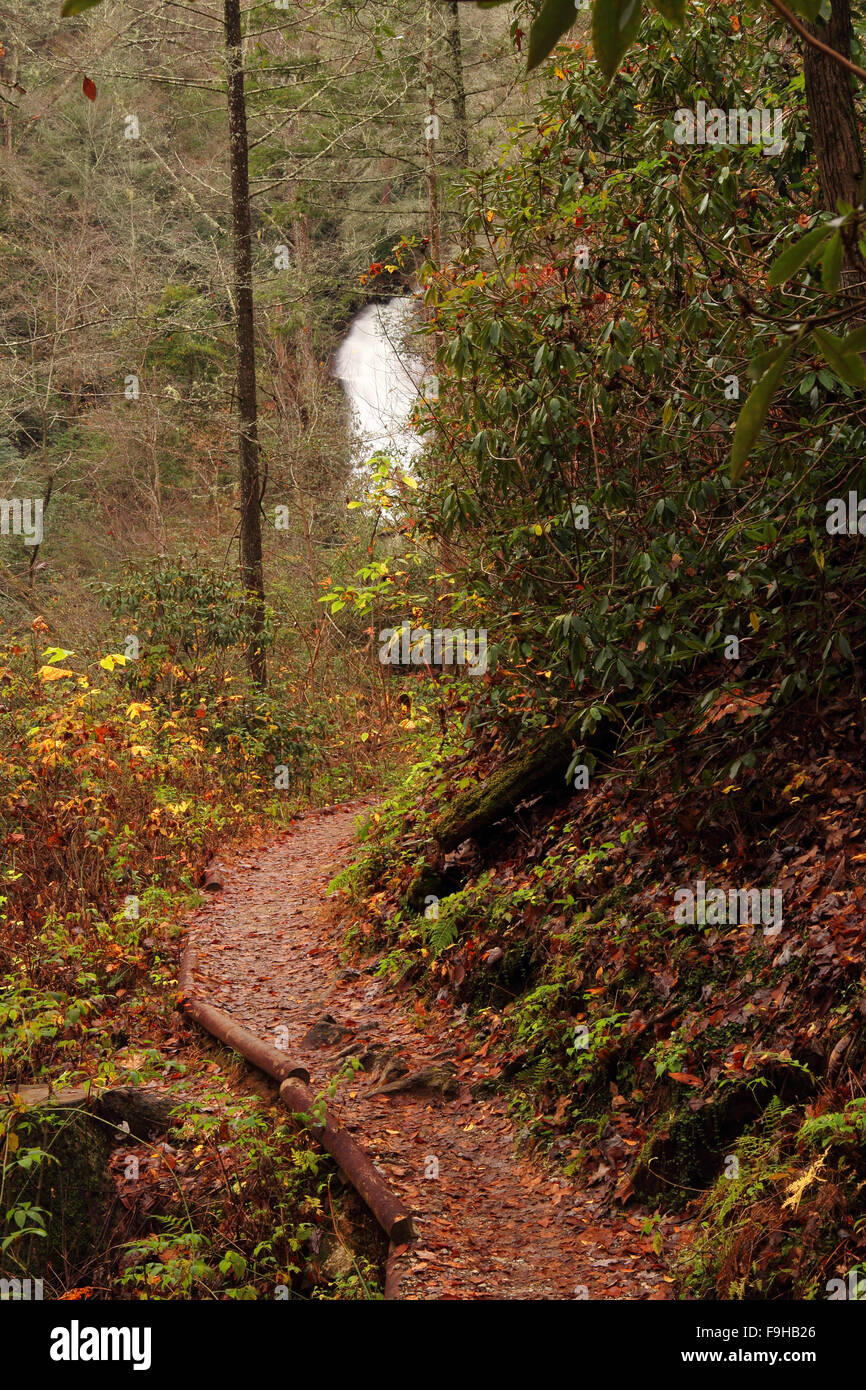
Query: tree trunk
{"points": [[252, 577], [308, 377], [431, 132], [11, 108], [461, 123], [834, 125]]}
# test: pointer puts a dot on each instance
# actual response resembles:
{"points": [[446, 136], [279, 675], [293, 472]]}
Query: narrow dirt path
{"points": [[490, 1225]]}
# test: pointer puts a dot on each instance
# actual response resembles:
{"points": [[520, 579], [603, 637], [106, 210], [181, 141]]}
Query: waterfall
{"points": [[381, 379]]}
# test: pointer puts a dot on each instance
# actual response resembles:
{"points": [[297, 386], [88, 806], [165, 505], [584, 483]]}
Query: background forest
{"points": [[641, 431]]}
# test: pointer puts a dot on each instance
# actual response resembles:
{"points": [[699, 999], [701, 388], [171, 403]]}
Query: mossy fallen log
{"points": [[140, 1111], [540, 768]]}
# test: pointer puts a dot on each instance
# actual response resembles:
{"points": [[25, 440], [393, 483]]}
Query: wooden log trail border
{"points": [[390, 1211]]}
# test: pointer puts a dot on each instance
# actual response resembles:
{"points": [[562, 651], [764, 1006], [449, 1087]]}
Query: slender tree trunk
{"points": [[461, 123], [834, 125], [11, 108], [31, 570], [431, 130], [252, 576], [307, 363]]}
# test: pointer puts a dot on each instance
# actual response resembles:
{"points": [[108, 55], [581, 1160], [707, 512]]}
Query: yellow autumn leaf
{"points": [[53, 673], [113, 659], [43, 745], [12, 1141], [754, 621], [139, 707], [138, 750]]}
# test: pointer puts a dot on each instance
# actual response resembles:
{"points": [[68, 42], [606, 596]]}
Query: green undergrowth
{"points": [[785, 1219], [270, 1223], [119, 779], [231, 1203]]}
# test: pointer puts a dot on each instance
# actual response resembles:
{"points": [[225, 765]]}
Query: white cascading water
{"points": [[381, 379]]}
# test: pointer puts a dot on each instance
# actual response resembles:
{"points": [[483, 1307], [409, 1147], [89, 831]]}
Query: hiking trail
{"points": [[491, 1223]]}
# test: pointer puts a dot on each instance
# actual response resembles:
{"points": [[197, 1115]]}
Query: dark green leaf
{"points": [[848, 367], [855, 341], [831, 264], [793, 257], [556, 18], [71, 7], [807, 8], [674, 11], [614, 25], [763, 362], [754, 412]]}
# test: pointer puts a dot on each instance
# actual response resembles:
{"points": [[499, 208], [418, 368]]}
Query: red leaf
{"points": [[88, 87], [686, 1078]]}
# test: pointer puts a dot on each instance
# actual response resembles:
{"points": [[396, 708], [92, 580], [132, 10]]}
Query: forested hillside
{"points": [[503, 757]]}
